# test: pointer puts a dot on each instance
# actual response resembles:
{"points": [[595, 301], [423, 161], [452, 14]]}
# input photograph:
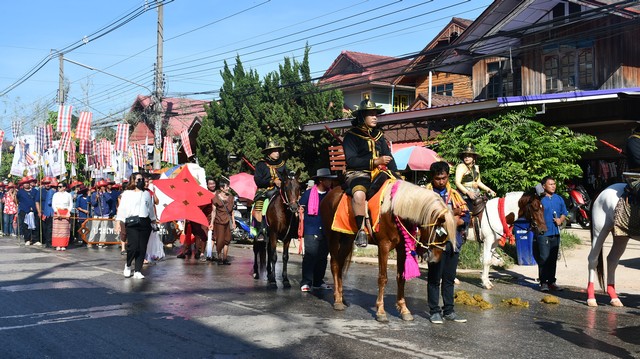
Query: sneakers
{"points": [[544, 287], [323, 286], [138, 275], [555, 287], [27, 243], [63, 248], [305, 288], [57, 248], [362, 239], [126, 271], [436, 318], [454, 318], [37, 244]]}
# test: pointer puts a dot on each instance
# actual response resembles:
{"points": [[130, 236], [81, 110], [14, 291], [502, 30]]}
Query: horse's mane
{"points": [[418, 205]]}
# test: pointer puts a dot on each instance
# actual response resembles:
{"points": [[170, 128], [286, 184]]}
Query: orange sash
{"points": [[344, 221]]}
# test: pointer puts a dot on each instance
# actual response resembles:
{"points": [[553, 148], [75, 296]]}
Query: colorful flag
{"points": [[83, 130], [104, 152], [16, 129], [65, 141], [122, 137], [1, 137], [48, 137], [85, 147], [72, 153], [64, 118], [40, 139], [167, 149], [186, 144]]}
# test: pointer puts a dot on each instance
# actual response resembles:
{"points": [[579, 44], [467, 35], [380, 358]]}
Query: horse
{"points": [[602, 222], [409, 206], [282, 218], [524, 205]]}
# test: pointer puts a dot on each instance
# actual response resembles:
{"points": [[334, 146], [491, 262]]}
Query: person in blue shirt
{"points": [[27, 203], [546, 247], [316, 248], [82, 209], [441, 275], [46, 211], [101, 200]]}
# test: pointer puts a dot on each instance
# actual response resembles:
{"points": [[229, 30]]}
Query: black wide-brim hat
{"points": [[272, 146], [367, 105], [469, 150]]}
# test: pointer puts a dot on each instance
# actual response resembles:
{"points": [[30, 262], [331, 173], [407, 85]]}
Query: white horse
{"points": [[516, 205], [601, 225]]}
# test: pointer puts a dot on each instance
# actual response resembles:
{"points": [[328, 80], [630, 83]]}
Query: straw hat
{"points": [[469, 150], [272, 146], [26, 179], [366, 105]]}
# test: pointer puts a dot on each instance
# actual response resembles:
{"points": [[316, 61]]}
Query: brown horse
{"points": [[282, 219], [410, 205]]}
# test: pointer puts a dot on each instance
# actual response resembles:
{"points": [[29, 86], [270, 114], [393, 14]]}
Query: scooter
{"points": [[579, 205]]}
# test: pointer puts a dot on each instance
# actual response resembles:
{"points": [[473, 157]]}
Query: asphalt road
{"points": [[77, 304]]}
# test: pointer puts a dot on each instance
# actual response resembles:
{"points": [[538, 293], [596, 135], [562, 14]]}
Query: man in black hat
{"points": [[367, 154], [316, 248], [271, 171]]}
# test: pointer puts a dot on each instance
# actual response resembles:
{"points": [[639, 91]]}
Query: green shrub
{"points": [[471, 256]]}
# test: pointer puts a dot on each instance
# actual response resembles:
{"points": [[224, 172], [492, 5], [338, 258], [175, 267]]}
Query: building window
{"points": [[400, 103], [443, 89], [568, 68], [505, 78]]}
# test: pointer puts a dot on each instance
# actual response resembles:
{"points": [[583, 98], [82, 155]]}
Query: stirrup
{"points": [[362, 239]]}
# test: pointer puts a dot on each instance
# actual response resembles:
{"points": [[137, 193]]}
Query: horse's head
{"points": [[290, 191], [440, 230], [530, 207], [425, 208]]}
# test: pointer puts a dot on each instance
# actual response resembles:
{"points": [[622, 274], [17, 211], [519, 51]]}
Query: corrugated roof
{"points": [[355, 68], [180, 112]]}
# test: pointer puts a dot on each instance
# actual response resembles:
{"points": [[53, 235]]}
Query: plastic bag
{"points": [[155, 248], [209, 249]]}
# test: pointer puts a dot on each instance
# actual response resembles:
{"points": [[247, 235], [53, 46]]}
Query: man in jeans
{"points": [[441, 275], [316, 249], [547, 246]]}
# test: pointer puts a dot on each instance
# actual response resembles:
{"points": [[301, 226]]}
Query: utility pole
{"points": [[157, 96], [61, 80]]}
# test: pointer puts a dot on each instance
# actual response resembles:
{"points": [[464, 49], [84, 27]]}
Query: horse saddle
{"points": [[627, 211], [344, 220], [265, 193]]}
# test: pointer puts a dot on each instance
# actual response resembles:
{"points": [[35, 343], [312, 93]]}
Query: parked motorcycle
{"points": [[578, 206], [242, 232]]}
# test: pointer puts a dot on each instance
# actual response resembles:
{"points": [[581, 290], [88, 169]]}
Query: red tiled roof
{"points": [[141, 134], [180, 112], [353, 68]]}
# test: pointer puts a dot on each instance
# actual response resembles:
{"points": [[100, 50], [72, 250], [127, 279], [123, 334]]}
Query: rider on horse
{"points": [[367, 154], [269, 176], [468, 180]]}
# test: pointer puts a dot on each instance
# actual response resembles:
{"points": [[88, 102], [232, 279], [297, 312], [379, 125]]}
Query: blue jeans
{"points": [[7, 220], [445, 272], [545, 251], [314, 262]]}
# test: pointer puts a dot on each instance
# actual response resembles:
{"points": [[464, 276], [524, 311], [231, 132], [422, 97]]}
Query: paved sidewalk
{"points": [[575, 272]]}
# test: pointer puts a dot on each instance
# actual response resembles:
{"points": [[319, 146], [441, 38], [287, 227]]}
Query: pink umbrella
{"points": [[244, 185], [417, 158]]}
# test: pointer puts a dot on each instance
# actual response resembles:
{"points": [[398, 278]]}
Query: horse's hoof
{"points": [[616, 302], [488, 285], [339, 306], [406, 317], [382, 318], [592, 302], [273, 285], [286, 284]]}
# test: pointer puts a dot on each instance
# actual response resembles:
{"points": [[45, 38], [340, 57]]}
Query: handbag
{"points": [[132, 221]]}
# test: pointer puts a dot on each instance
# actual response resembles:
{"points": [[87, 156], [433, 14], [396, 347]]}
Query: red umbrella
{"points": [[187, 195], [244, 185], [417, 158]]}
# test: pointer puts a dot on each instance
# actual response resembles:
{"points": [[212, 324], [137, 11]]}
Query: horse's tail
{"points": [[600, 265]]}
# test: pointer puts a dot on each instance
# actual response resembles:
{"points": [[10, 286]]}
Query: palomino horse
{"points": [[492, 231], [411, 206], [282, 219], [602, 222]]}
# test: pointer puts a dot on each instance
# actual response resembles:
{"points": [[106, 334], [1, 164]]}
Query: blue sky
{"points": [[199, 35]]}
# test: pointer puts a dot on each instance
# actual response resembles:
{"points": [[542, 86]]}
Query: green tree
{"points": [[250, 112], [516, 151]]}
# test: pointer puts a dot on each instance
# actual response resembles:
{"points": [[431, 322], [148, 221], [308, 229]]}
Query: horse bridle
{"points": [[292, 205], [528, 214]]}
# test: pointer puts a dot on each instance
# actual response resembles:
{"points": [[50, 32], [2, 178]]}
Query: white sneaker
{"points": [[63, 248], [37, 244], [27, 243], [57, 248], [126, 271], [138, 275]]}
